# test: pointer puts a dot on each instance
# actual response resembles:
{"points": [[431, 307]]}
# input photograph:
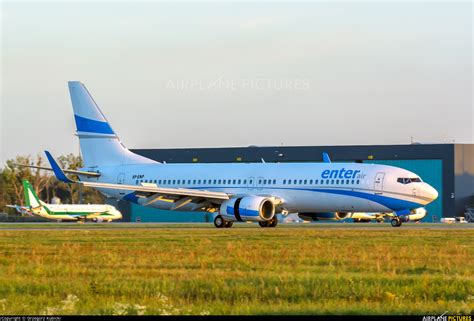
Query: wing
{"points": [[92, 215], [69, 171], [152, 192], [21, 209]]}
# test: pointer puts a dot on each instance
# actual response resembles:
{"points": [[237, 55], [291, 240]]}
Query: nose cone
{"points": [[430, 192], [117, 214]]}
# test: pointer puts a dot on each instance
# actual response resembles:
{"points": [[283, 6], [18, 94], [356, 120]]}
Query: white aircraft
{"points": [[65, 212], [236, 191]]}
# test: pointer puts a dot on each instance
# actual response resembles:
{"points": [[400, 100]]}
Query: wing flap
{"points": [[160, 190]]}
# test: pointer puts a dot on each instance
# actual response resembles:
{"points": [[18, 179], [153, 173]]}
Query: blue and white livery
{"points": [[238, 191]]}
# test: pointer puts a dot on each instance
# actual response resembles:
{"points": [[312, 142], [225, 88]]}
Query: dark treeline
{"points": [[44, 183]]}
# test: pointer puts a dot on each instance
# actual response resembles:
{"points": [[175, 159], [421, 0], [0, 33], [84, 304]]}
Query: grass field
{"points": [[186, 269]]}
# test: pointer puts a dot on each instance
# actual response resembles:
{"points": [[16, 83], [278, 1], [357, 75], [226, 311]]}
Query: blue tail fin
{"points": [[100, 146]]}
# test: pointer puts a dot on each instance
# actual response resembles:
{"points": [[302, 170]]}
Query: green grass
{"points": [[194, 269]]}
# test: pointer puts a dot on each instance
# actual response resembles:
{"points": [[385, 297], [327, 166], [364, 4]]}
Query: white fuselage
{"points": [[303, 187]]}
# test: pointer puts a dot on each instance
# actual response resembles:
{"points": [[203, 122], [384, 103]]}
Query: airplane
{"points": [[414, 216], [65, 212], [236, 192]]}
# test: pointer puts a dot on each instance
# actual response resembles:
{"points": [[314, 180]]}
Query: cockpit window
{"points": [[406, 180]]}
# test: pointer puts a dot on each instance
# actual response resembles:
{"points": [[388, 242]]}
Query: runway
{"points": [[200, 226]]}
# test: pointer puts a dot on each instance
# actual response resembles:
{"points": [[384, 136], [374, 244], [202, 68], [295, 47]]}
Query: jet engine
{"points": [[249, 208], [336, 216]]}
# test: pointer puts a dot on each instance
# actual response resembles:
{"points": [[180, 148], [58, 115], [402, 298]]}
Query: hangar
{"points": [[447, 167]]}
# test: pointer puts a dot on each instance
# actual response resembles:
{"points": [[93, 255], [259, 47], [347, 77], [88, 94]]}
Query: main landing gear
{"points": [[219, 222], [396, 222], [272, 223]]}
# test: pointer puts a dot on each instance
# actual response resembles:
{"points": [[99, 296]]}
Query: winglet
{"points": [[58, 172], [326, 158]]}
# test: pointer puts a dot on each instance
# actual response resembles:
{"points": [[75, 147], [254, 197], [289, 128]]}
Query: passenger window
{"points": [[194, 181], [233, 182], [337, 181], [289, 182], [238, 182], [136, 182], [245, 182], [310, 182], [199, 181], [304, 182], [228, 181], [332, 182], [357, 182], [284, 182], [316, 182], [295, 181], [251, 181], [259, 181], [352, 182], [274, 181], [347, 181], [322, 182]]}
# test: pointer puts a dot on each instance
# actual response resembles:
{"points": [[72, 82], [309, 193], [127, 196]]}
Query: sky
{"points": [[211, 74]]}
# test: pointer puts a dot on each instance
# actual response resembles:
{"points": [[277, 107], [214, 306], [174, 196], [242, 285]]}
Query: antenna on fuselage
{"points": [[326, 158]]}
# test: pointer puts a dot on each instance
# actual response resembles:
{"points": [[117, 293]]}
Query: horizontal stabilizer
{"points": [[68, 171]]}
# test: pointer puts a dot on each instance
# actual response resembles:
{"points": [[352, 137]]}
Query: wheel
{"points": [[219, 222], [273, 222], [228, 224], [396, 222], [263, 224]]}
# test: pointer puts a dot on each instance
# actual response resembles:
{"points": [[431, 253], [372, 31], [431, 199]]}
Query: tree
{"points": [[45, 184]]}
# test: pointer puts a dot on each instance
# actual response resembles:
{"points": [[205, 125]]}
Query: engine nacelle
{"points": [[249, 208], [98, 219], [336, 216]]}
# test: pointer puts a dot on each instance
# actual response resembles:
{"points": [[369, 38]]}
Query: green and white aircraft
{"points": [[65, 212]]}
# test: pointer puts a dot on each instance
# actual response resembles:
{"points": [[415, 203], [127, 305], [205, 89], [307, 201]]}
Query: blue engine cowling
{"points": [[336, 216], [249, 208]]}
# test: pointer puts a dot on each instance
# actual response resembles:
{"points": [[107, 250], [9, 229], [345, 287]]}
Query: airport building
{"points": [[447, 167]]}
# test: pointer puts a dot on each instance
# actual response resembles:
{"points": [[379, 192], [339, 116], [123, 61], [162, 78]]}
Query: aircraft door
{"points": [[120, 180], [378, 183]]}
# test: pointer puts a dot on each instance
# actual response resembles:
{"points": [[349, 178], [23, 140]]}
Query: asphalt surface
{"points": [[128, 225]]}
